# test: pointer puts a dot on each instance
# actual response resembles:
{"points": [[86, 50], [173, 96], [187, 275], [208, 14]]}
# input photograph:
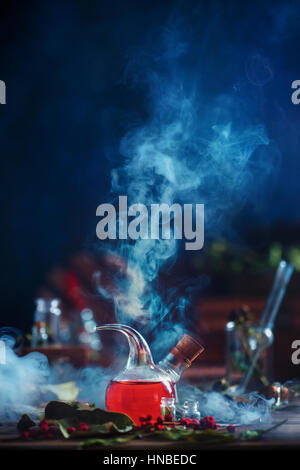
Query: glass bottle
{"points": [[138, 389], [168, 408], [242, 344], [248, 346], [46, 326], [190, 409]]}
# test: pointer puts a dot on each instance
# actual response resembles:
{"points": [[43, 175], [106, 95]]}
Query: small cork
{"points": [[187, 349]]}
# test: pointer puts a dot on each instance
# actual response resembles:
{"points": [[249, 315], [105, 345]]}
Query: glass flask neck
{"points": [[139, 351], [172, 366], [181, 357]]}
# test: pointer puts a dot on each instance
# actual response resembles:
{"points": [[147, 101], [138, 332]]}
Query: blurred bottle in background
{"points": [[46, 324]]}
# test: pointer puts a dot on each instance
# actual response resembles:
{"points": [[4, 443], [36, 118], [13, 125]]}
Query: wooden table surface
{"points": [[285, 436]]}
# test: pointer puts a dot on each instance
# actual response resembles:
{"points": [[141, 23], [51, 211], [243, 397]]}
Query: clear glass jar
{"points": [[168, 408], [190, 409], [248, 355]]}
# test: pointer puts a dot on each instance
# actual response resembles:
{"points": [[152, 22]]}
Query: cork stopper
{"points": [[187, 350]]}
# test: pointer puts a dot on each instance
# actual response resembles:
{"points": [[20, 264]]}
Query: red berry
{"points": [[187, 422], [145, 422], [208, 423], [71, 429], [159, 427], [49, 435], [168, 417], [44, 421], [195, 421], [83, 427], [25, 435], [44, 427]]}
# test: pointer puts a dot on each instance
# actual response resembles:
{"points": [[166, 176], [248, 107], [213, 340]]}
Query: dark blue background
{"points": [[68, 106]]}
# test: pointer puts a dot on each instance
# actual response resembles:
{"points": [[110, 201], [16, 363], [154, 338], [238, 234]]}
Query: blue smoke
{"points": [[188, 150]]}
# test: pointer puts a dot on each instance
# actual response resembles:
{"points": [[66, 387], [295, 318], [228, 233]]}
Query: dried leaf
{"points": [[108, 428], [25, 423], [98, 421]]}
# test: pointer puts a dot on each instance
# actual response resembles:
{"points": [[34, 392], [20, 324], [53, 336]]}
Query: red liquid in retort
{"points": [[137, 398]]}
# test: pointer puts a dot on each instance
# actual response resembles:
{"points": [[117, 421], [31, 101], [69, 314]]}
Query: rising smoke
{"points": [[187, 150]]}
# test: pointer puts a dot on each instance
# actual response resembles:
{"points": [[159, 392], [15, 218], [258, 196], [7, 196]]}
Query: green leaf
{"points": [[208, 435], [249, 435], [76, 413], [107, 442], [93, 430], [257, 433]]}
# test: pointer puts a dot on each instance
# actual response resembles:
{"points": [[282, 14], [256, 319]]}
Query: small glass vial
{"points": [[39, 330], [46, 326], [168, 408], [53, 321], [190, 409]]}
